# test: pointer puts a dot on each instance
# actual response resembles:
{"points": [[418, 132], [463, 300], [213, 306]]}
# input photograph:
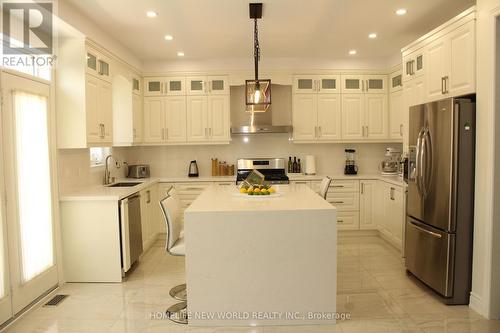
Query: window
{"points": [[98, 156]]}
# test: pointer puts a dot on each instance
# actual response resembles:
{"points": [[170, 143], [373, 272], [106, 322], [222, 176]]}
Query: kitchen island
{"points": [[254, 261]]}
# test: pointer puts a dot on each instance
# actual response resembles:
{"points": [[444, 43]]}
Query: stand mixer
{"points": [[390, 165]]}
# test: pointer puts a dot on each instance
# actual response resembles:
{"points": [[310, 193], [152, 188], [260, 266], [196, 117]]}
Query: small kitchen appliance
{"points": [[273, 169], [391, 163], [350, 162], [138, 171], [310, 168], [193, 169]]}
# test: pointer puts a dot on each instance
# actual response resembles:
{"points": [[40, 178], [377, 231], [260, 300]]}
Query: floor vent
{"points": [[56, 300]]}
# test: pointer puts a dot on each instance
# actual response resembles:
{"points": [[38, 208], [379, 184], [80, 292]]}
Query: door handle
{"points": [[443, 85], [433, 234], [401, 129], [427, 176], [418, 162], [446, 79], [148, 196], [392, 193], [362, 188], [340, 221]]}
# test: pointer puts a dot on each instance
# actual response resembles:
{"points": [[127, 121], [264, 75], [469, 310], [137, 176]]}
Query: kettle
{"points": [[193, 169]]}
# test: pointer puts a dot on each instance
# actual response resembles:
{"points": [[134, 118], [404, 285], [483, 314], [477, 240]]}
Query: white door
{"points": [[463, 60], [367, 204], [94, 126], [353, 116], [197, 119], [396, 114], [105, 106], [137, 117], [377, 116], [218, 117], [175, 117], [305, 116], [329, 117], [154, 120], [27, 138], [5, 296], [436, 69], [305, 84]]}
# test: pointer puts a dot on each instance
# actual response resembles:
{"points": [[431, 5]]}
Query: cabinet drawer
{"points": [[347, 220], [344, 201], [344, 186], [227, 184]]}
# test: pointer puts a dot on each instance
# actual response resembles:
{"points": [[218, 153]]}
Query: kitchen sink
{"points": [[124, 184]]}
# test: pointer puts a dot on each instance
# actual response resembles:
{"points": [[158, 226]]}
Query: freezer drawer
{"points": [[429, 256]]}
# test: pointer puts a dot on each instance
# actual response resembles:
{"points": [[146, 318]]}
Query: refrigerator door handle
{"points": [[427, 176], [433, 234], [418, 162]]}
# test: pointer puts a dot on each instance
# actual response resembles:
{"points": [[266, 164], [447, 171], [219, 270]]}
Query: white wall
{"points": [[174, 160], [486, 265], [69, 14]]}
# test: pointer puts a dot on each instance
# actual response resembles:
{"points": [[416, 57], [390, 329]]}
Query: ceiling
{"points": [[218, 29]]}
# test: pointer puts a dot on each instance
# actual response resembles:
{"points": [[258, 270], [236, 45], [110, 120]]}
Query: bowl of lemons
{"points": [[258, 191]]}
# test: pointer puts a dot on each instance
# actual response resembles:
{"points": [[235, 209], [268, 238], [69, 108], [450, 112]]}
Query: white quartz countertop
{"points": [[101, 192], [228, 199]]}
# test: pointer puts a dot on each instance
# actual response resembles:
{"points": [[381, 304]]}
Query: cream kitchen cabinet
{"points": [[396, 115], [365, 117], [208, 119], [396, 81], [165, 119], [316, 84], [98, 64], [99, 111], [154, 86], [392, 200], [150, 219], [364, 84], [317, 117], [368, 204], [450, 69], [207, 85], [165, 86], [413, 65], [137, 118]]}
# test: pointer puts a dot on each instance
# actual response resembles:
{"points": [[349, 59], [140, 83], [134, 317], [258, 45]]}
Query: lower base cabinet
{"points": [[150, 218], [391, 218]]}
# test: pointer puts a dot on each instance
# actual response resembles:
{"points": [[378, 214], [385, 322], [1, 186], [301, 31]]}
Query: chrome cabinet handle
{"points": [[446, 80], [392, 193], [301, 183], [337, 202], [149, 196], [337, 186], [367, 131], [362, 188], [443, 85], [401, 129], [319, 131], [340, 221]]}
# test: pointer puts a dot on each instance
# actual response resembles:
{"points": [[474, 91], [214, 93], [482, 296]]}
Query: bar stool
{"points": [[325, 186], [171, 208]]}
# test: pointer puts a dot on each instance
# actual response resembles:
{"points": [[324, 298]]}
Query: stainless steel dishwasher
{"points": [[130, 230]]}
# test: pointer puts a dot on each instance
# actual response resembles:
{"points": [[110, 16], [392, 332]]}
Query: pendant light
{"points": [[258, 92]]}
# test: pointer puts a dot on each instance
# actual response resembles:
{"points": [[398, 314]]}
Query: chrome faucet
{"points": [[107, 174]]}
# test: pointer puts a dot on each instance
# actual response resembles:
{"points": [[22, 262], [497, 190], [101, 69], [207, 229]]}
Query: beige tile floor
{"points": [[372, 286]]}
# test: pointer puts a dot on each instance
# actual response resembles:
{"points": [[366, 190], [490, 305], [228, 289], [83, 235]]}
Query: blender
{"points": [[350, 162]]}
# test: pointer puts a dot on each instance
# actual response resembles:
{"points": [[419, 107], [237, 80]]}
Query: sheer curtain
{"points": [[33, 183]]}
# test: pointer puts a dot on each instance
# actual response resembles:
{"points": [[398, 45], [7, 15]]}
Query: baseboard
{"points": [[476, 304], [357, 233], [389, 239]]}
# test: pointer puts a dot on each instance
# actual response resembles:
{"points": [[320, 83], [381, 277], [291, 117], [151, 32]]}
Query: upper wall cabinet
{"points": [[164, 86], [207, 85], [316, 84], [413, 65], [364, 84], [84, 104], [396, 81]]}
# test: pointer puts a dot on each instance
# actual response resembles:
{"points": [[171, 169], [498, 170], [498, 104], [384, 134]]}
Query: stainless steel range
{"points": [[273, 169]]}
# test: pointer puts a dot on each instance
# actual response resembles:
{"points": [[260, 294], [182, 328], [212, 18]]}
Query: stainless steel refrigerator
{"points": [[440, 206]]}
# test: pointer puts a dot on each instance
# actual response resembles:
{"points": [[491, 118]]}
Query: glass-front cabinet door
{"points": [[304, 84], [353, 84], [175, 86], [396, 81], [136, 85], [375, 84], [104, 70], [91, 62], [196, 85], [153, 86], [328, 84], [218, 85]]}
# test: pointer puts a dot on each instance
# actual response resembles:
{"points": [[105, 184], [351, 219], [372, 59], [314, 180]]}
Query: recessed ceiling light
{"points": [[353, 52], [401, 11], [180, 54], [372, 35], [169, 37], [151, 13]]}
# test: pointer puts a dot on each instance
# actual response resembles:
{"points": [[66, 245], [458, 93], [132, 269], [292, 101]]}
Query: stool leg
{"points": [[178, 313], [179, 292]]}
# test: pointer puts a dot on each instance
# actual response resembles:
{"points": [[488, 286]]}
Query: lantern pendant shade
{"points": [[258, 95]]}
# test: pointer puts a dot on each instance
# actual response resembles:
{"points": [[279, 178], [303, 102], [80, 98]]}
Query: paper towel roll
{"points": [[310, 165]]}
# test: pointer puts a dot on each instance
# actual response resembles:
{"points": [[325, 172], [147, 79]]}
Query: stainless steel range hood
{"points": [[277, 119]]}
